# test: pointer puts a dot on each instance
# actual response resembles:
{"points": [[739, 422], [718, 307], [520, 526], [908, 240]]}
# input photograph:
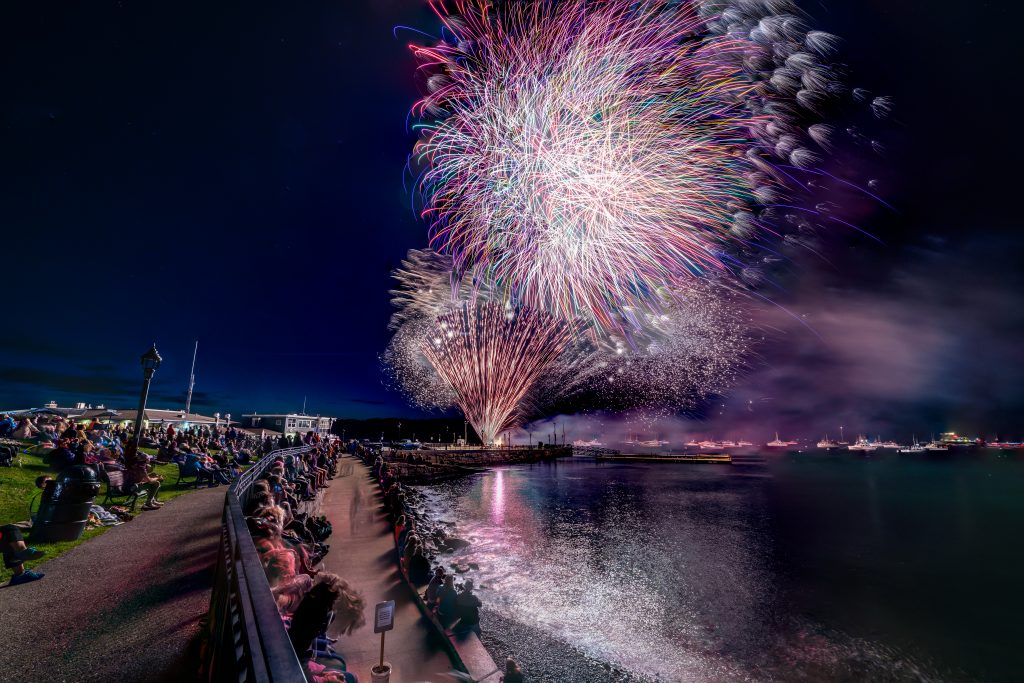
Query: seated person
{"points": [[25, 430], [419, 567], [331, 598], [16, 553], [467, 609], [193, 466], [7, 425], [446, 598], [60, 457], [433, 594], [139, 474]]}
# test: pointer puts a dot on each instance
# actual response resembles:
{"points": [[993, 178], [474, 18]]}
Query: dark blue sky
{"points": [[233, 173]]}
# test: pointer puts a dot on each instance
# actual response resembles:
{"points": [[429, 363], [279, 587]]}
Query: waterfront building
{"points": [[288, 424]]}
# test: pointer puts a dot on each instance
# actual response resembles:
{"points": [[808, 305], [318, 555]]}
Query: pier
{"points": [[363, 551]]}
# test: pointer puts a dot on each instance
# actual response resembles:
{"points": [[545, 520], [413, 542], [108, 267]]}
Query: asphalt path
{"points": [[124, 606]]}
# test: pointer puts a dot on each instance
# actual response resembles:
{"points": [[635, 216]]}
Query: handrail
{"points": [[247, 639]]}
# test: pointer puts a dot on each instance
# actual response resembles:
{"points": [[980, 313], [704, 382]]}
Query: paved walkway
{"points": [[125, 606], [363, 552]]}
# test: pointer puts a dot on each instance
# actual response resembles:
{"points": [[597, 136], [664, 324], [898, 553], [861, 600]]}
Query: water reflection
{"points": [[679, 573]]}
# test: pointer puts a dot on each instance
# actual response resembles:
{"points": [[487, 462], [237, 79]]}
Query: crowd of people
{"points": [[214, 454], [455, 607], [291, 543]]}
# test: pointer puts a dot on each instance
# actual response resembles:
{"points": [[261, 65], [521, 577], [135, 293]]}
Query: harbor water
{"points": [[790, 567]]}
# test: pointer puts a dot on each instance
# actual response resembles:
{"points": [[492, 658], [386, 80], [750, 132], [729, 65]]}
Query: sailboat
{"points": [[778, 443]]}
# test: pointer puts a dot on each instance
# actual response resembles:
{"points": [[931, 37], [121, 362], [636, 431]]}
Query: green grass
{"points": [[17, 489]]}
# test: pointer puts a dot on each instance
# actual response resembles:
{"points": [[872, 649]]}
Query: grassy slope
{"points": [[17, 489]]}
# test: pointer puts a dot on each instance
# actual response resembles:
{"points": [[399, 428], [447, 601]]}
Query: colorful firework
{"points": [[492, 357], [584, 155]]}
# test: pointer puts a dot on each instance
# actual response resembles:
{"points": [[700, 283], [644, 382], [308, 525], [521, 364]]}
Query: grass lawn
{"points": [[17, 489]]}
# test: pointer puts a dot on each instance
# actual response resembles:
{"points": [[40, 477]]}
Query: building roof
{"points": [[301, 415], [152, 415]]}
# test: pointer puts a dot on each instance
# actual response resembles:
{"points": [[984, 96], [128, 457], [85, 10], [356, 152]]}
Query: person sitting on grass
{"points": [[25, 430], [138, 473], [194, 467], [16, 553]]}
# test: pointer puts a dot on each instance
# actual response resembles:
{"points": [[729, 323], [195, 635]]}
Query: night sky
{"points": [[233, 173]]}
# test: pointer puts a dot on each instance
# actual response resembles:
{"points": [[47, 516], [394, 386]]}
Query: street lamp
{"points": [[150, 362]]}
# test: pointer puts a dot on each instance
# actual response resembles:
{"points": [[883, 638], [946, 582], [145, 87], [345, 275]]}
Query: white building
{"points": [[288, 424]]}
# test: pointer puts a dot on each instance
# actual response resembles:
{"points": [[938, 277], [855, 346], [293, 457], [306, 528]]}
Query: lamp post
{"points": [[150, 362]]}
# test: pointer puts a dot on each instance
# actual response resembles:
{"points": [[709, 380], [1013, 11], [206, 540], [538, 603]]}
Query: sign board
{"points": [[384, 616]]}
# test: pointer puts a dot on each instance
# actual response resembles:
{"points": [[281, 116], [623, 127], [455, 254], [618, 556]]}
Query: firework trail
{"points": [[583, 155], [465, 346], [492, 356]]}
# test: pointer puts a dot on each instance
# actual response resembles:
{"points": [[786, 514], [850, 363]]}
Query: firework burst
{"points": [[585, 155], [582, 154], [492, 357]]}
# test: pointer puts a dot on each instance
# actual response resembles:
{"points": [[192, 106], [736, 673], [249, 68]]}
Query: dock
{"points": [[685, 458]]}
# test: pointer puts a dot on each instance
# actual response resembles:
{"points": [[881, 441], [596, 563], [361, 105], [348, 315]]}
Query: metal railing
{"points": [[247, 639]]}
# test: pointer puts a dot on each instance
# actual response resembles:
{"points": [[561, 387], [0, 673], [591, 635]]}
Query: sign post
{"points": [[383, 621]]}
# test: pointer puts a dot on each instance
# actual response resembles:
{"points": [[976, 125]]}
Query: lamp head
{"points": [[151, 360]]}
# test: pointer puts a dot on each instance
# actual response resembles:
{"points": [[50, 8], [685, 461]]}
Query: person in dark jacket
{"points": [[467, 608]]}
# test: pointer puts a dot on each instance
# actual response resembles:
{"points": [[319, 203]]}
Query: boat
{"points": [[827, 443], [693, 443], [593, 443], [915, 448], [889, 444], [778, 443], [685, 458], [862, 445], [935, 446], [744, 444]]}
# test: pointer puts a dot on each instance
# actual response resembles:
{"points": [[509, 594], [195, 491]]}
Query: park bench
{"points": [[118, 488]]}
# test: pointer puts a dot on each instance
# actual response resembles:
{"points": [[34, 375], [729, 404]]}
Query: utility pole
{"points": [[303, 405], [191, 381]]}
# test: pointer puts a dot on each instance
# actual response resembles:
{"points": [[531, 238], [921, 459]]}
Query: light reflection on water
{"points": [[588, 559], [668, 572]]}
